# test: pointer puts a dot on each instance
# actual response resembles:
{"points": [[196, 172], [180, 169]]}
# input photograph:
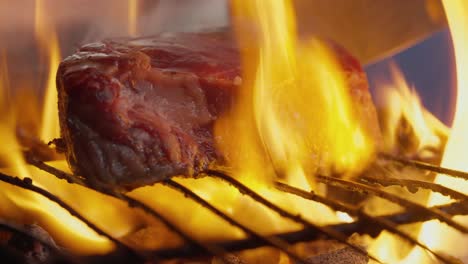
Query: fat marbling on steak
{"points": [[136, 111]]}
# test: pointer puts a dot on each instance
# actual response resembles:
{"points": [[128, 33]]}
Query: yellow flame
{"points": [[403, 104], [433, 233], [10, 153], [439, 236], [26, 206], [49, 45], [132, 17], [294, 116], [294, 105], [406, 120], [274, 129]]}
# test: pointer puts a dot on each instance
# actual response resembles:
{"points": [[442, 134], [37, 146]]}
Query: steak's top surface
{"points": [[206, 55], [135, 111]]}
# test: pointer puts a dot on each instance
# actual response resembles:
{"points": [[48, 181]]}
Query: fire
{"points": [[23, 206], [49, 45], [282, 75], [44, 211], [407, 120], [294, 117], [271, 133], [409, 129], [433, 233], [438, 236]]}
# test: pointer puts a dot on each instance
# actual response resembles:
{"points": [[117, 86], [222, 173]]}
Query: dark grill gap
{"points": [[365, 224]]}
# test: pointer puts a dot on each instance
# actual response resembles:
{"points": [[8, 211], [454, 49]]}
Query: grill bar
{"points": [[31, 159], [414, 185], [426, 166], [348, 185], [271, 240], [354, 211]]}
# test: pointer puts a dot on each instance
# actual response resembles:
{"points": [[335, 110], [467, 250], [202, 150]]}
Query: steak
{"points": [[136, 111]]}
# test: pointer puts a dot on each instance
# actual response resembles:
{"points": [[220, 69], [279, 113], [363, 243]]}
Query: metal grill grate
{"points": [[365, 223]]}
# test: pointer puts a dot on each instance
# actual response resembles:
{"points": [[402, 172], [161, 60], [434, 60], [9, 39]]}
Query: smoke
{"points": [[78, 22], [81, 21], [186, 15], [157, 16]]}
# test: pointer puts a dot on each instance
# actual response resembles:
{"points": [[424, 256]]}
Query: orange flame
{"points": [[293, 106], [20, 204], [437, 236], [293, 118], [406, 112], [433, 233], [24, 206], [272, 131], [48, 43], [297, 99]]}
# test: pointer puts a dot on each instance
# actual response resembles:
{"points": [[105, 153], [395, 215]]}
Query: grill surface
{"points": [[365, 223]]}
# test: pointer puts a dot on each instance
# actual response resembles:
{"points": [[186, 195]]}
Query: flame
{"points": [[408, 129], [437, 236], [49, 45], [294, 116], [132, 17], [294, 106], [44, 211], [408, 124], [23, 206], [271, 132], [433, 233]]}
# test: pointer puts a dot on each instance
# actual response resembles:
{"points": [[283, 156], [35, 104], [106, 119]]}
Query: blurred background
{"points": [[27, 25]]}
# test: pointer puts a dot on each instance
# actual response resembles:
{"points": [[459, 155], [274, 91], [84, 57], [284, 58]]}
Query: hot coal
{"points": [[136, 111]]}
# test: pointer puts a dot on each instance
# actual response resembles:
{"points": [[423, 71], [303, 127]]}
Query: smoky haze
{"points": [[81, 21]]}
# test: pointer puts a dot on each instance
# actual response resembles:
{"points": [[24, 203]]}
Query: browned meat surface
{"points": [[135, 111]]}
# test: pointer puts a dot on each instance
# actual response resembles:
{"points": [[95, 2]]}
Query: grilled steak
{"points": [[136, 111]]}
